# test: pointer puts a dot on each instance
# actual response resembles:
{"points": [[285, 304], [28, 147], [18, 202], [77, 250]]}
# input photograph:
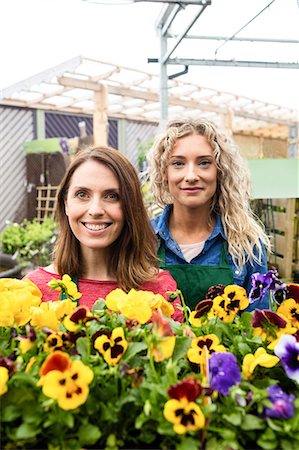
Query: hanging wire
{"points": [[244, 26]]}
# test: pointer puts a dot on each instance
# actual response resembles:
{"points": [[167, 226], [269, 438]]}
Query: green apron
{"points": [[194, 280]]}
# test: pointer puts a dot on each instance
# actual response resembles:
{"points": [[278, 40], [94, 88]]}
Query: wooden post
{"points": [[289, 237], [100, 117]]}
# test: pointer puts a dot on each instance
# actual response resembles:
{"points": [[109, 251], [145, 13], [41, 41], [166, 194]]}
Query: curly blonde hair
{"points": [[231, 200]]}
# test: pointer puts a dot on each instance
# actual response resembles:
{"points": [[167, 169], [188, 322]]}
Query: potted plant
{"points": [[126, 376]]}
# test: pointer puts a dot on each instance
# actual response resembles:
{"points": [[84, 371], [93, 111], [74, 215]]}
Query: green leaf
{"points": [[182, 344], [10, 413], [89, 434], [83, 347], [251, 422], [234, 418], [187, 443], [26, 431], [134, 349]]}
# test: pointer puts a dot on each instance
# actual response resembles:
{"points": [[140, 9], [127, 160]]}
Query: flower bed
{"points": [[125, 375]]}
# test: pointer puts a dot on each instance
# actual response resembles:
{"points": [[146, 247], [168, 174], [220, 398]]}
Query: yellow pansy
{"points": [[163, 349], [260, 358], [203, 347], [4, 375], [112, 345], [69, 387], [290, 309], [115, 299], [66, 286], [185, 415], [43, 316], [25, 344], [16, 299]]}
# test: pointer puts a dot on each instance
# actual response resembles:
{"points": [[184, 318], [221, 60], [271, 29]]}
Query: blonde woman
{"points": [[207, 233], [105, 237]]}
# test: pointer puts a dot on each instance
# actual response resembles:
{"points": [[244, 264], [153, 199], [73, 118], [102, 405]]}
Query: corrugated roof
{"points": [[134, 95]]}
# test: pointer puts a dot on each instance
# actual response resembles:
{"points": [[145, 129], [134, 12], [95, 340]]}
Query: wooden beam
{"points": [[100, 116]]}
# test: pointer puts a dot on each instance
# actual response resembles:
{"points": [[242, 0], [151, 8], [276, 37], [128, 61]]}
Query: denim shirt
{"points": [[210, 254]]}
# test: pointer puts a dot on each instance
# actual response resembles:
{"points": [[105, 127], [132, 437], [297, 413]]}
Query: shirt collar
{"points": [[162, 228]]}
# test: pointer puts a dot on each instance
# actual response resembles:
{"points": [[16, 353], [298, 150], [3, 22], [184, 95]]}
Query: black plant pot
{"points": [[9, 267]]}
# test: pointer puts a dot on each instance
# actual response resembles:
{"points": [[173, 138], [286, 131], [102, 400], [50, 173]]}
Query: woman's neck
{"points": [[189, 226], [96, 265]]}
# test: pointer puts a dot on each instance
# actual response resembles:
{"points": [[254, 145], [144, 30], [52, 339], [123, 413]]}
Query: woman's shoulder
{"points": [[42, 273], [164, 277]]}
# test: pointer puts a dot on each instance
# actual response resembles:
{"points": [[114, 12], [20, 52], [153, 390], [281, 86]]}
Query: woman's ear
{"points": [[66, 208]]}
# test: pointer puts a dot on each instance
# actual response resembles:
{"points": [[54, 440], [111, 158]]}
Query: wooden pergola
{"points": [[88, 86]]}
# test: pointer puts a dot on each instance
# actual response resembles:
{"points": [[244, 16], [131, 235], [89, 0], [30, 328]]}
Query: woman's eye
{"points": [[80, 194], [177, 163], [113, 196], [205, 163]]}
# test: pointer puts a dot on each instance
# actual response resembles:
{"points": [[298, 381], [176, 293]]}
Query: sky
{"points": [[36, 35]]}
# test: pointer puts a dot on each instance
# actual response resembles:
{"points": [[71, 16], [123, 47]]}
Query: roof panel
{"points": [[134, 94]]}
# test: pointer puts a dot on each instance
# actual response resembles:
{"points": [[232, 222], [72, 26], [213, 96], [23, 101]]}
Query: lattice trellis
{"points": [[46, 201]]}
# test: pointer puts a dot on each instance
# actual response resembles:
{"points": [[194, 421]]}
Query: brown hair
{"points": [[133, 257]]}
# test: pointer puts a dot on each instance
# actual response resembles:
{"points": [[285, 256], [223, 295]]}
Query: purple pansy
{"points": [[287, 349], [282, 403], [224, 371], [261, 283]]}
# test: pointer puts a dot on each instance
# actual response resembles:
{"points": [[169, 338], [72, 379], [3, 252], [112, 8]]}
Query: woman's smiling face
{"points": [[192, 172], [93, 205]]}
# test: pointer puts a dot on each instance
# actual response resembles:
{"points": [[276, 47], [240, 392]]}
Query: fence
{"points": [[281, 219]]}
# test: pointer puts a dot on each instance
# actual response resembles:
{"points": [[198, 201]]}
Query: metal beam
{"points": [[166, 57], [241, 39], [233, 63]]}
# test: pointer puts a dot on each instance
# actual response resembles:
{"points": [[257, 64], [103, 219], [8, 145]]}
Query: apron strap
{"points": [[223, 257], [161, 251]]}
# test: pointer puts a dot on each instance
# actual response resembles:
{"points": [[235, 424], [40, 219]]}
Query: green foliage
{"points": [[143, 149], [30, 242], [125, 405]]}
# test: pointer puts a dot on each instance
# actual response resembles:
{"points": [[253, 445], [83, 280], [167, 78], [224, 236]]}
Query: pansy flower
{"points": [[227, 305], [259, 358], [4, 375], [270, 326], [224, 372], [16, 299], [78, 317], [261, 283], [163, 341], [282, 403], [44, 316], [202, 311], [202, 347], [9, 363], [66, 287], [290, 309], [112, 345], [181, 410], [55, 341], [65, 380], [27, 341], [287, 349], [134, 305], [293, 291]]}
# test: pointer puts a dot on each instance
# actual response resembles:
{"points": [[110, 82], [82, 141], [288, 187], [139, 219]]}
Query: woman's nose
{"points": [[96, 207], [191, 174]]}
